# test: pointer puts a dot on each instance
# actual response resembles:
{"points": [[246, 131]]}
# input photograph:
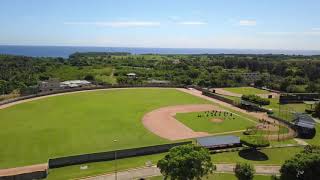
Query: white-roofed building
{"points": [[132, 75], [74, 84]]}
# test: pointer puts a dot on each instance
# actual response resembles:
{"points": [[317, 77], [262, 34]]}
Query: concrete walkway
{"points": [[301, 142], [154, 171]]}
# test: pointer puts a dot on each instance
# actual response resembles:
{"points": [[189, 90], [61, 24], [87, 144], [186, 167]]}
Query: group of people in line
{"points": [[215, 113]]}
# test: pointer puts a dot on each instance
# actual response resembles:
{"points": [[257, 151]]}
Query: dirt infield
{"points": [[162, 122], [259, 115]]}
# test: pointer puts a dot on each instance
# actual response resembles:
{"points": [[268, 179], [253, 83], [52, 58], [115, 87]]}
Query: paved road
{"points": [[154, 171]]}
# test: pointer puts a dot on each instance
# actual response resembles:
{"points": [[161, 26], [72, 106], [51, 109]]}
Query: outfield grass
{"points": [[246, 90], [80, 123], [204, 123], [276, 157], [221, 176]]}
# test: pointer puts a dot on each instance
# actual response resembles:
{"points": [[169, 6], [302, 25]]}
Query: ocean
{"points": [[65, 51]]}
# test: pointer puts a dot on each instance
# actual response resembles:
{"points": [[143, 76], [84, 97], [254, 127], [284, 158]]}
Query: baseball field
{"points": [[87, 122]]}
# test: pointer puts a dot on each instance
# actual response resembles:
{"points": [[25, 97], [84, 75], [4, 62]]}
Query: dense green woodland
{"points": [[280, 72]]}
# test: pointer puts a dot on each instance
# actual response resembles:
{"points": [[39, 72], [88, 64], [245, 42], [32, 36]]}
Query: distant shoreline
{"points": [[65, 51]]}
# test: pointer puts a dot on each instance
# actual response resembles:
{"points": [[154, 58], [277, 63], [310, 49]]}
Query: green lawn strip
{"points": [[233, 98], [276, 156], [285, 111], [80, 123], [221, 176], [284, 142], [246, 90], [205, 124], [72, 172]]}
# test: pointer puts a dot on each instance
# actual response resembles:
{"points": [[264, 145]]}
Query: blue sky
{"points": [[245, 24]]}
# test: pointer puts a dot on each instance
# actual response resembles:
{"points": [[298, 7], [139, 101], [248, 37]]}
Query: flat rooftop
{"points": [[211, 141]]}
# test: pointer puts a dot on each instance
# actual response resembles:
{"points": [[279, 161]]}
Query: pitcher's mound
{"points": [[216, 120]]}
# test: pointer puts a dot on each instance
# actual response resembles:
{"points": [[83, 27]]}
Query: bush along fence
{"points": [[111, 155]]}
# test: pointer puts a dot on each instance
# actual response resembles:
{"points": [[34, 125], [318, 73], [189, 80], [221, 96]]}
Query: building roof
{"points": [[159, 81], [131, 74], [304, 120], [79, 82], [212, 141]]}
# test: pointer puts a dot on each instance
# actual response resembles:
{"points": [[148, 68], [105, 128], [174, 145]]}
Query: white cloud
{"points": [[247, 22], [118, 24], [193, 23]]}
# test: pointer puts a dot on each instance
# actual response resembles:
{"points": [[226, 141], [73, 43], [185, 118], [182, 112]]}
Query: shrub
{"points": [[317, 110], [303, 166], [244, 171], [186, 162]]}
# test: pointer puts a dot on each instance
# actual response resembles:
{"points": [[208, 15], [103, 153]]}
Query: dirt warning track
{"points": [[163, 123]]}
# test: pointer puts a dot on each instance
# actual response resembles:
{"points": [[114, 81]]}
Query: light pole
{"points": [[115, 160]]}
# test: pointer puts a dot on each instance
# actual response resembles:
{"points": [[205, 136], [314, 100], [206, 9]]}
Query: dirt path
{"points": [[257, 115], [162, 122], [146, 172], [23, 170]]}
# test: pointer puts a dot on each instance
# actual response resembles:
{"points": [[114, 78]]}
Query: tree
{"points": [[89, 77], [3, 84], [244, 171], [186, 162], [317, 110], [303, 166]]}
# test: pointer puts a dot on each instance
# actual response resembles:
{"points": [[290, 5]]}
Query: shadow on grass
{"points": [[253, 155]]}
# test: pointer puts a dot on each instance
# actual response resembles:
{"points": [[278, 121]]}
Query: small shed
{"points": [[305, 125], [219, 142], [132, 75]]}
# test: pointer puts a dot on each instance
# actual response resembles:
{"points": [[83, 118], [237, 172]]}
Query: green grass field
{"points": [[316, 139], [246, 90], [222, 176], [80, 123], [204, 123], [275, 156]]}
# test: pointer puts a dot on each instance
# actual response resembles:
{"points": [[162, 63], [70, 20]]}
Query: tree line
{"points": [[279, 72]]}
